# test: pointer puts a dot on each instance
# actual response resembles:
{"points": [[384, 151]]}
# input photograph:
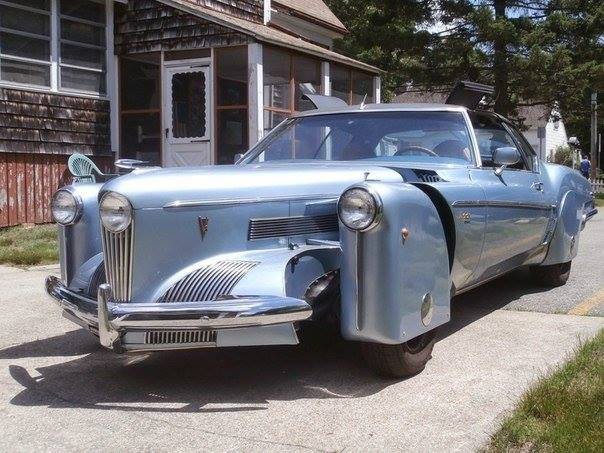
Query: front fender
{"points": [[394, 289], [282, 272]]}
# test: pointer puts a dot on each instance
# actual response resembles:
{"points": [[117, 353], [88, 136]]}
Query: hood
{"points": [[155, 188]]}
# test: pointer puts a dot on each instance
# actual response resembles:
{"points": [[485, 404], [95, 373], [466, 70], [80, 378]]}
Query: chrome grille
{"points": [[292, 226], [209, 282], [118, 254], [180, 337]]}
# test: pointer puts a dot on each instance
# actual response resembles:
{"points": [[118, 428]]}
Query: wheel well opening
{"points": [[446, 217]]}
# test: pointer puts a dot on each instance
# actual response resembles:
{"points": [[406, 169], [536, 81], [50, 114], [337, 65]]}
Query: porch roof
{"points": [[267, 34], [315, 9]]}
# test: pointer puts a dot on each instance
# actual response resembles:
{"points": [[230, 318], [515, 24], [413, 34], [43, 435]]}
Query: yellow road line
{"points": [[584, 307]]}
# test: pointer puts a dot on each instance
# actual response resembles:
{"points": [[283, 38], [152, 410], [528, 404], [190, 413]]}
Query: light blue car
{"points": [[372, 216]]}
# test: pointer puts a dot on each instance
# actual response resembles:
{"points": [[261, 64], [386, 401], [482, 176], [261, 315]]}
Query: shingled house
{"points": [[174, 82]]}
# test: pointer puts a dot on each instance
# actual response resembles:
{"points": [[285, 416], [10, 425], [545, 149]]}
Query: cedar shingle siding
{"points": [[245, 9], [147, 26], [33, 122]]}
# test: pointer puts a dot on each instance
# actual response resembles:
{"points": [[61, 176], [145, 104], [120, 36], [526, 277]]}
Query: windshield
{"points": [[384, 136]]}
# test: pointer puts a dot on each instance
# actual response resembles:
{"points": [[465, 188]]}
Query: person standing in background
{"points": [[585, 166]]}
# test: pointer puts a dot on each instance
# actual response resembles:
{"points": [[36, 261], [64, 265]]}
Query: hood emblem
{"points": [[203, 226]]}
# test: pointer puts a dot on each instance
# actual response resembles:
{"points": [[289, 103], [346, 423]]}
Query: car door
{"points": [[518, 216]]}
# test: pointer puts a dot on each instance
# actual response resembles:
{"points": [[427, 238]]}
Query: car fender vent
{"points": [[209, 282], [428, 176], [292, 226]]}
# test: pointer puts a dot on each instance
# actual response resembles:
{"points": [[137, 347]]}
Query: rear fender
{"points": [[387, 280], [564, 244]]}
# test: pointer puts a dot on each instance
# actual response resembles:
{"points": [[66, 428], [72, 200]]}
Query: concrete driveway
{"points": [[60, 391]]}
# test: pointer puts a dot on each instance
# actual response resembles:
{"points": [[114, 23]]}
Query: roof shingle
{"points": [[317, 9]]}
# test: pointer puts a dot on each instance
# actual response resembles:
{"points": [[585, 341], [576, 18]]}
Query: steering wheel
{"points": [[414, 150]]}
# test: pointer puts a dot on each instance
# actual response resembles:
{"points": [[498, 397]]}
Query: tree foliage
{"points": [[548, 52]]}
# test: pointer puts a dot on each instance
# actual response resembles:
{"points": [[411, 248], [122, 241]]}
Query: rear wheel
{"points": [[553, 275], [400, 360]]}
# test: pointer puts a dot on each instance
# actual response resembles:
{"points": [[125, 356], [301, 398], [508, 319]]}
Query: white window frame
{"points": [[48, 38], [55, 43]]}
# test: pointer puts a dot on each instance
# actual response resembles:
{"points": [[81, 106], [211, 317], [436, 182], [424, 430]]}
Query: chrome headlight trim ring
{"points": [[126, 205], [78, 206], [378, 208]]}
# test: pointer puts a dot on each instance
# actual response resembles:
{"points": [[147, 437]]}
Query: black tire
{"points": [[400, 360], [553, 275]]}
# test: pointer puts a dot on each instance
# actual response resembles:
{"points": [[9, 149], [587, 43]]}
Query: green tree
{"points": [[533, 52]]}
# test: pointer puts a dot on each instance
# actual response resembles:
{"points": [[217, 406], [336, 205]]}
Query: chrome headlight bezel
{"points": [[373, 216], [122, 207], [76, 204]]}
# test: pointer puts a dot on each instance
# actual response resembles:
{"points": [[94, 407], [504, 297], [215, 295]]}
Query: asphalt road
{"points": [[60, 391]]}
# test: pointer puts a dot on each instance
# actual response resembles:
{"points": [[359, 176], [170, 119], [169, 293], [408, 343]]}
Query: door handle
{"points": [[167, 132], [538, 186]]}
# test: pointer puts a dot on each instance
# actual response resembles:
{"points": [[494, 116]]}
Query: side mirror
{"points": [[237, 157], [504, 157]]}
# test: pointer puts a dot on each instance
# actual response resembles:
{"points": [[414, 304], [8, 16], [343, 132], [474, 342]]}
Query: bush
{"points": [[564, 155]]}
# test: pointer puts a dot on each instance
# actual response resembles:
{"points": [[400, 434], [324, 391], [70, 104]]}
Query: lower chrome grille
{"points": [[180, 337], [292, 226], [118, 255], [208, 282]]}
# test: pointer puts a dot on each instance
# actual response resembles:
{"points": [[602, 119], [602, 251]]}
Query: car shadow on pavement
{"points": [[495, 295], [220, 380]]}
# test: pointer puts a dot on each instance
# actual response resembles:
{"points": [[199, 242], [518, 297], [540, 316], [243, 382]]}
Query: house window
{"points": [[351, 86], [83, 47], [283, 74], [231, 103], [25, 38], [36, 33]]}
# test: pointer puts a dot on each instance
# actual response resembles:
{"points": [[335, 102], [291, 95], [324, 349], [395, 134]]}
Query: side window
{"points": [[491, 134], [527, 151]]}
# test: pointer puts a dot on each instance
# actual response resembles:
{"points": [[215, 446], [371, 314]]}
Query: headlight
{"points": [[115, 212], [66, 207], [359, 209]]}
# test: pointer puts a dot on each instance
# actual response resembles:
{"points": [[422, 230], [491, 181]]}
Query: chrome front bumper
{"points": [[128, 326]]}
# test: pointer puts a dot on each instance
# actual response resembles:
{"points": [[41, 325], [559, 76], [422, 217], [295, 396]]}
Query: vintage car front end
{"points": [[178, 259]]}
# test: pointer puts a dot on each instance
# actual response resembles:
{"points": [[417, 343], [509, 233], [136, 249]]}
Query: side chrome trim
{"points": [[358, 239], [502, 204], [183, 204]]}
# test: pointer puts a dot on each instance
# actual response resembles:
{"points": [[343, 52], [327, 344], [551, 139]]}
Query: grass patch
{"points": [[564, 412], [29, 245], [599, 202]]}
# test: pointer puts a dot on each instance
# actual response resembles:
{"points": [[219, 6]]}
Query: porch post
{"points": [[256, 96], [112, 84], [377, 89], [325, 79]]}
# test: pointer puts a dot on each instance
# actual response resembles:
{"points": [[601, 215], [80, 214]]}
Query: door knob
{"points": [[537, 186]]}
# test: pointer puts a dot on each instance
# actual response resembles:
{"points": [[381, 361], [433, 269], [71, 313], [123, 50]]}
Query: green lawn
{"points": [[29, 245], [564, 412], [600, 202]]}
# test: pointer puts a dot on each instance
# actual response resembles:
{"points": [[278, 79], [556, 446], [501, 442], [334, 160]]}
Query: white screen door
{"points": [[187, 123]]}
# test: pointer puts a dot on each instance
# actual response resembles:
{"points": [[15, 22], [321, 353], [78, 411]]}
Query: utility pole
{"points": [[593, 145]]}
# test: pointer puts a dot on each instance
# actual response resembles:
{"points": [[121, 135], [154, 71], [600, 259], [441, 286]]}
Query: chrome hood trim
{"points": [[187, 187]]}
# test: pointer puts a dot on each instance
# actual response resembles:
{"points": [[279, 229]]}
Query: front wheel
{"points": [[400, 360], [553, 275]]}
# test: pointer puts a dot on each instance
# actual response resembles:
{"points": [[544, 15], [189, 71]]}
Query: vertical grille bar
{"points": [[118, 254]]}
